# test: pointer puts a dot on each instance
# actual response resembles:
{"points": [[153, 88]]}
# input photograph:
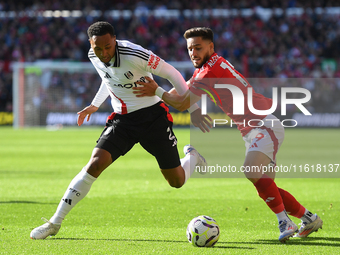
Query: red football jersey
{"points": [[218, 70]]}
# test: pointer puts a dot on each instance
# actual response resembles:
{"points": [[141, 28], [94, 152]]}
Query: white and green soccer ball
{"points": [[203, 231]]}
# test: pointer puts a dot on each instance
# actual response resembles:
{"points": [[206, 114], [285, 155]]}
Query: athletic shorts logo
{"points": [[108, 130], [172, 137]]}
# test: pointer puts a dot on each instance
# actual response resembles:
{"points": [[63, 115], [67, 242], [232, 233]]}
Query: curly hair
{"points": [[100, 28], [204, 32]]}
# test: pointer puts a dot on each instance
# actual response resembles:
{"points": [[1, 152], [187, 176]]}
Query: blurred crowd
{"points": [[280, 46], [103, 5]]}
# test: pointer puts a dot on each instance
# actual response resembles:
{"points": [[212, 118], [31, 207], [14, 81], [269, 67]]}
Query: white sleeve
{"points": [[170, 73], [101, 95]]}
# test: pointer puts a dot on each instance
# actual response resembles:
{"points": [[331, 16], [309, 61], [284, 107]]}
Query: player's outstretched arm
{"points": [[203, 122], [179, 102], [87, 111]]}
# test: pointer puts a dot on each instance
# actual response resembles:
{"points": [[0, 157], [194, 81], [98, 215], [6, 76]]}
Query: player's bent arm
{"points": [[179, 102], [87, 111], [170, 73], [99, 98], [173, 91], [203, 122], [101, 95]]}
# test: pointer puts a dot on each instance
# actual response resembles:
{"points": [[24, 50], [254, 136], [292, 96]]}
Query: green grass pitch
{"points": [[132, 210]]}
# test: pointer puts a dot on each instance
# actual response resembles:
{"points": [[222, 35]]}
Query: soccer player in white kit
{"points": [[145, 120]]}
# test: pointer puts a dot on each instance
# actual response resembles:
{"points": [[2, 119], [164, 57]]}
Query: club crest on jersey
{"points": [[129, 75]]}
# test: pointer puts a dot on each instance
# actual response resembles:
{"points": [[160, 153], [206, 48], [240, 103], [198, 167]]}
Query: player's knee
{"points": [[176, 183], [252, 179], [95, 168]]}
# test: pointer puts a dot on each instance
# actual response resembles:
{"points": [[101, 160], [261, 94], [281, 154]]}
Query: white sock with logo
{"points": [[188, 163], [76, 191], [308, 217], [282, 216]]}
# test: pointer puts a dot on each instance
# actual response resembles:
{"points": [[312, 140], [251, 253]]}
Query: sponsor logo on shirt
{"points": [[129, 85]]}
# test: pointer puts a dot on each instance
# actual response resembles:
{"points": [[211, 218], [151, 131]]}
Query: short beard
{"points": [[205, 60]]}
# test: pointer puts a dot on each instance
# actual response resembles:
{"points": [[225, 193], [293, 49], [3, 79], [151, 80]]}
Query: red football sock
{"points": [[269, 192], [292, 206]]}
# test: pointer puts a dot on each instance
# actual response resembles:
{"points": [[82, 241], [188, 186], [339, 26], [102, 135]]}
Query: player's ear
{"points": [[211, 46]]}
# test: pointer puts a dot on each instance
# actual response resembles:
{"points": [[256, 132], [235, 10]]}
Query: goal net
{"points": [[50, 93]]}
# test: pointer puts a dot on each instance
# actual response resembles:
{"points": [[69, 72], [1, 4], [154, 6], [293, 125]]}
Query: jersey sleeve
{"points": [[170, 73], [198, 86], [159, 67], [101, 95]]}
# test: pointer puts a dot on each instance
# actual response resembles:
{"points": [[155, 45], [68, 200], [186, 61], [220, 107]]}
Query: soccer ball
{"points": [[203, 231]]}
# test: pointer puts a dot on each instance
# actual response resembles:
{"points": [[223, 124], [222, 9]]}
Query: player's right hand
{"points": [[87, 111], [203, 122]]}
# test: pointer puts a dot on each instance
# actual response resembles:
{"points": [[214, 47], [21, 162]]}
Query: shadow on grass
{"points": [[24, 202], [150, 240], [310, 241]]}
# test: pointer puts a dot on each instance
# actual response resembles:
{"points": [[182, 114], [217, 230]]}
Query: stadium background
{"points": [[262, 39], [142, 214]]}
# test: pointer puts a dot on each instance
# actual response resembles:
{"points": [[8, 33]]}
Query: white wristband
{"points": [[159, 92], [193, 108]]}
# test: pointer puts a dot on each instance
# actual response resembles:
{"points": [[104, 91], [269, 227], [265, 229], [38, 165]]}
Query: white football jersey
{"points": [[129, 65]]}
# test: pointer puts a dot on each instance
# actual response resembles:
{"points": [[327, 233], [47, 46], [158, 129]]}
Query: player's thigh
{"points": [[256, 164], [116, 140], [162, 144], [266, 139]]}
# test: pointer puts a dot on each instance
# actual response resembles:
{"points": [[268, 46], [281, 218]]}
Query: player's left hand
{"points": [[148, 88], [86, 112], [203, 122]]}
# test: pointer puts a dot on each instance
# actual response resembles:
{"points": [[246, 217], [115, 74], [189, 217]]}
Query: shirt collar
{"points": [[209, 60], [116, 58]]}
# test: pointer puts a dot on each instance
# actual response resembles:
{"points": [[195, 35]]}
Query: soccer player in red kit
{"points": [[262, 143]]}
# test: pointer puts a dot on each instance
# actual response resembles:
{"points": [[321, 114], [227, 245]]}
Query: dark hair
{"points": [[100, 28], [204, 32]]}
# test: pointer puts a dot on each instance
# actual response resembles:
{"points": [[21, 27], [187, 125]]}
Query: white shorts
{"points": [[267, 138]]}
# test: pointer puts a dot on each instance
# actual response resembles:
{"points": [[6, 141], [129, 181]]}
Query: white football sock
{"points": [[282, 216], [308, 217], [75, 192], [188, 163]]}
